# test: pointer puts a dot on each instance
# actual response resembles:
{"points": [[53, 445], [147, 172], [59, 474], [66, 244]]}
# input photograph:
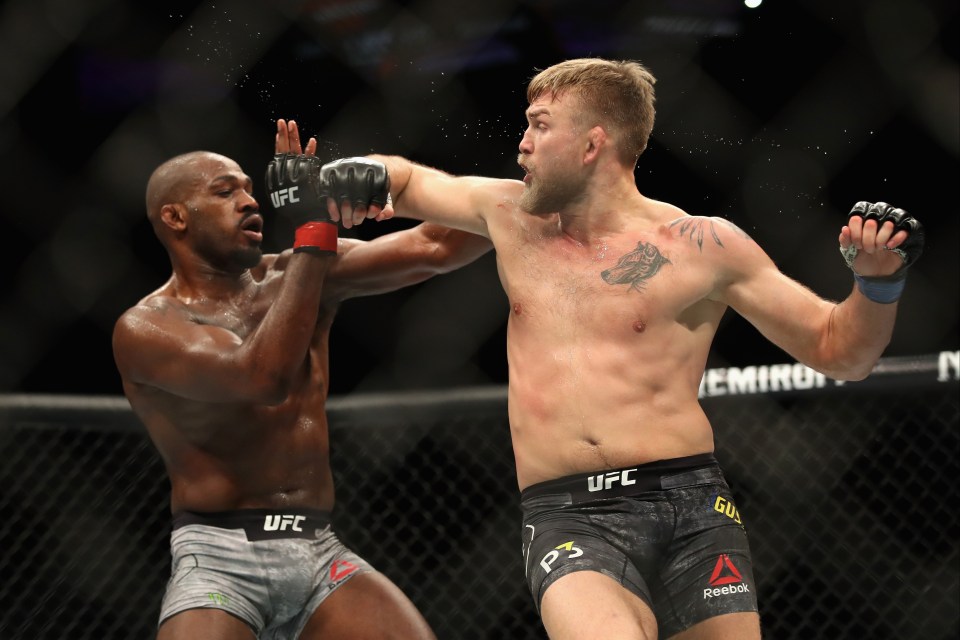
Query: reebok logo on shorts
{"points": [[725, 579], [340, 569]]}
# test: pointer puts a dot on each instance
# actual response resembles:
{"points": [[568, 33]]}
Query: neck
{"points": [[202, 281], [603, 211]]}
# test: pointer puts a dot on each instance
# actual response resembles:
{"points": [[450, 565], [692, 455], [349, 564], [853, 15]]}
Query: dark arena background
{"points": [[777, 117]]}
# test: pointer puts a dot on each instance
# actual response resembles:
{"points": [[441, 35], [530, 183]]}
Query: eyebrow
{"points": [[231, 177], [537, 112]]}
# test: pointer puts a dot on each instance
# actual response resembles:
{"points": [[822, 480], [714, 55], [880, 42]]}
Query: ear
{"points": [[596, 138], [174, 216]]}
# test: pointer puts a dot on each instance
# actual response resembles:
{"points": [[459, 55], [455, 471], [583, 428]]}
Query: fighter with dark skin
{"points": [[226, 364]]}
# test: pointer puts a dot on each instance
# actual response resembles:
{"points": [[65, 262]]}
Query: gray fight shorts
{"points": [[668, 531], [270, 568]]}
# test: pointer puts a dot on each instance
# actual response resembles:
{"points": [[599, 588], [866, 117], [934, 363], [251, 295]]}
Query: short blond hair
{"points": [[617, 94]]}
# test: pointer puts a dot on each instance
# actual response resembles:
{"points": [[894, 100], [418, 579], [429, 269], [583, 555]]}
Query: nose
{"points": [[249, 202], [526, 144]]}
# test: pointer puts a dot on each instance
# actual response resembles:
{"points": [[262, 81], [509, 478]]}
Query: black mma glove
{"points": [[886, 289], [359, 181], [293, 182]]}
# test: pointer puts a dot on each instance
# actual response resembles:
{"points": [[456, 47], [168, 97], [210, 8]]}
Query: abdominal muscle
{"points": [[575, 409]]}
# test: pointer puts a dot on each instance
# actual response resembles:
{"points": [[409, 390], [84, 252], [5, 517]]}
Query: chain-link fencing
{"points": [[849, 493]]}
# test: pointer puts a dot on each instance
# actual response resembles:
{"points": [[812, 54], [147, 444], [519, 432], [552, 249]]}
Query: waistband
{"points": [[261, 524], [614, 483]]}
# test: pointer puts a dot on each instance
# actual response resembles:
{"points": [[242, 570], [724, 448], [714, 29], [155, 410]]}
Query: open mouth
{"points": [[252, 227], [526, 174]]}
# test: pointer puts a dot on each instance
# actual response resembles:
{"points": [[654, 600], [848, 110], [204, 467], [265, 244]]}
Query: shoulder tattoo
{"points": [[697, 227], [637, 267]]}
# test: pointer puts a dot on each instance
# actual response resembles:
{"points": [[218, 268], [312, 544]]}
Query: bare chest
{"points": [[635, 280], [239, 317], [243, 317]]}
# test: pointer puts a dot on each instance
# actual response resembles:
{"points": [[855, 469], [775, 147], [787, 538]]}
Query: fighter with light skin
{"points": [[615, 299]]}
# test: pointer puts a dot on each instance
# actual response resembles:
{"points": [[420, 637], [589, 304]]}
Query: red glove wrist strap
{"points": [[321, 236]]}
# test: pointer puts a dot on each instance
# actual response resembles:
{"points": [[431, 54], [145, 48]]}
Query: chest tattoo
{"points": [[637, 267]]}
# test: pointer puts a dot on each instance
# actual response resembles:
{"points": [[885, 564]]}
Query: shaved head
{"points": [[178, 178]]}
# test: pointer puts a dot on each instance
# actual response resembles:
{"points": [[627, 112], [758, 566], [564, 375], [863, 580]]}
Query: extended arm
{"points": [[431, 195], [394, 260], [400, 259]]}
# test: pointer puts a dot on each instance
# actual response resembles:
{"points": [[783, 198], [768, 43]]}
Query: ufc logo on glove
{"points": [[284, 196]]}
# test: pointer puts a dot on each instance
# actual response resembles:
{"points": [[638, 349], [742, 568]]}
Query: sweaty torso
{"points": [[236, 455], [607, 340]]}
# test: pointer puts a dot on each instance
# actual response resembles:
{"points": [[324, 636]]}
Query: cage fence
{"points": [[848, 492]]}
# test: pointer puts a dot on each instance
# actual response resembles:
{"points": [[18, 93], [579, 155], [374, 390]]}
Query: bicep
{"points": [[786, 312], [459, 202]]}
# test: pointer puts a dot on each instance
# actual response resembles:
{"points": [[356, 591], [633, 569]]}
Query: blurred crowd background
{"points": [[778, 117]]}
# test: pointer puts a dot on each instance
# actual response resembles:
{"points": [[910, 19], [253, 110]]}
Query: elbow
{"points": [[455, 249], [860, 369], [850, 374], [438, 258], [442, 262], [853, 368], [850, 351], [269, 388], [270, 396], [274, 396]]}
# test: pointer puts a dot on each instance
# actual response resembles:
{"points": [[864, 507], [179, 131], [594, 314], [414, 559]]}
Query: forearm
{"points": [[858, 331], [276, 350], [399, 169], [410, 200], [878, 243], [431, 195]]}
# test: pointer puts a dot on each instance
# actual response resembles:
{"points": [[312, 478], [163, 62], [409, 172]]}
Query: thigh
{"points": [[568, 541], [214, 570], [708, 570], [367, 606], [730, 626], [211, 624], [585, 605]]}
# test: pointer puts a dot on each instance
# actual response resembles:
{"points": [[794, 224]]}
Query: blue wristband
{"points": [[882, 289]]}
